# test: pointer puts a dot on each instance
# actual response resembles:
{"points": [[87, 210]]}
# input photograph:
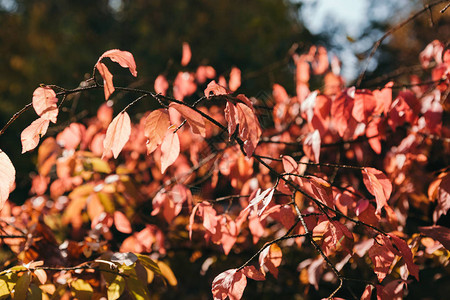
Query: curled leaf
{"points": [[124, 58], [108, 85], [215, 88]]}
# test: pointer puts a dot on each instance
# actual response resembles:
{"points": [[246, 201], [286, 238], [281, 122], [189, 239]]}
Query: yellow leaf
{"points": [[167, 273], [116, 288]]}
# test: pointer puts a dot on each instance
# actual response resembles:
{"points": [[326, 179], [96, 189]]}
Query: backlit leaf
{"points": [[117, 134], [116, 288], [44, 103], [7, 177], [156, 125], [121, 222], [215, 88], [161, 85], [31, 135], [187, 54], [235, 79], [124, 58], [378, 185], [194, 119], [108, 85], [170, 149], [166, 271]]}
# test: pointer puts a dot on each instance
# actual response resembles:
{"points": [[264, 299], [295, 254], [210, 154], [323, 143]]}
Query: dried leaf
{"points": [[215, 88], [124, 58], [378, 185]]}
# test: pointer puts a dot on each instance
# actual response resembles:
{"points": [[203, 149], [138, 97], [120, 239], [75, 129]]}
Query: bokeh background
{"points": [[58, 42]]}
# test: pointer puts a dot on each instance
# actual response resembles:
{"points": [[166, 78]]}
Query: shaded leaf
{"points": [[406, 254], [438, 233], [108, 85], [249, 128], [253, 273]]}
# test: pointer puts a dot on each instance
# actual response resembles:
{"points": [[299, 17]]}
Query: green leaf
{"points": [[100, 165], [137, 289], [116, 288], [35, 293], [22, 285], [82, 289], [148, 263]]}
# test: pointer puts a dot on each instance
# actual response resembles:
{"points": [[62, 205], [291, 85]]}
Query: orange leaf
{"points": [[7, 177], [231, 116], [121, 222], [194, 119], [187, 54], [124, 58], [378, 185], [108, 85], [44, 103], [117, 134], [156, 125], [230, 283], [170, 149], [30, 136], [270, 258]]}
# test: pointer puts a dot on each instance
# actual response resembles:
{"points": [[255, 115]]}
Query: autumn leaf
{"points": [[341, 110], [235, 79], [311, 145], [161, 85], [378, 185], [44, 103], [249, 128], [187, 54], [215, 88], [364, 105], [438, 233], [194, 119], [156, 126], [231, 115], [261, 197], [124, 58], [121, 222], [31, 135], [117, 134], [7, 177], [270, 259], [406, 254], [230, 283], [108, 85], [170, 149], [382, 254], [252, 273]]}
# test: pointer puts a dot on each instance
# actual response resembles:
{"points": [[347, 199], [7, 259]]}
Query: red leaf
{"points": [[170, 149], [161, 85], [407, 255], [30, 136], [117, 134], [367, 294], [270, 258], [252, 273], [235, 79], [231, 115], [341, 110], [311, 145], [373, 133], [187, 54], [7, 177], [108, 85], [382, 254], [438, 233], [249, 128], [364, 105], [156, 125], [44, 103], [378, 185], [215, 88], [121, 222], [194, 119], [124, 58], [392, 291], [230, 283], [443, 198]]}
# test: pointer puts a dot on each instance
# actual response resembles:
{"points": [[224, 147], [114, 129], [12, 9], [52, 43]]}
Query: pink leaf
{"points": [[71, 136], [364, 105], [30, 136], [378, 185], [108, 85], [443, 198], [230, 283], [184, 85], [311, 145], [170, 149], [7, 177], [367, 294], [215, 88], [187, 54], [161, 85], [382, 254], [438, 233], [44, 103], [117, 134], [341, 110], [235, 79], [156, 126], [407, 255], [121, 222], [124, 58], [264, 197], [194, 119]]}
